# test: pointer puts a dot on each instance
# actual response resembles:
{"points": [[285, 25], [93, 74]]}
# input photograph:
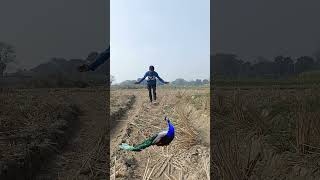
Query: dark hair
{"points": [[151, 68]]}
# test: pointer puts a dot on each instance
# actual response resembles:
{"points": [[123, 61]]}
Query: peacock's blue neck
{"points": [[171, 130]]}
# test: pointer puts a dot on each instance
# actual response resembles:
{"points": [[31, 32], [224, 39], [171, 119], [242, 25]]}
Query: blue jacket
{"points": [[152, 75], [102, 57]]}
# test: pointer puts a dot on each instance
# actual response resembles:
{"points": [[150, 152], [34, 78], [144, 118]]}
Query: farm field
{"points": [[62, 133], [187, 157], [266, 133], [31, 124], [53, 133]]}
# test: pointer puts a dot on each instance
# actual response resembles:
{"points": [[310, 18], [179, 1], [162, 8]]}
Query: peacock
{"points": [[163, 138]]}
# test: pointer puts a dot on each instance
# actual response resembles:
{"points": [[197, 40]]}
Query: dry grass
{"points": [[92, 161], [185, 158], [32, 122], [206, 165], [279, 132], [187, 135]]}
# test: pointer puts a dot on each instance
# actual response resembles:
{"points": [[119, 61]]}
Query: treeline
{"points": [[197, 82], [57, 72], [230, 66], [177, 82]]}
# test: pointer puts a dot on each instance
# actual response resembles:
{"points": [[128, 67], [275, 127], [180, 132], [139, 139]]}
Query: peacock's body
{"points": [[163, 138]]}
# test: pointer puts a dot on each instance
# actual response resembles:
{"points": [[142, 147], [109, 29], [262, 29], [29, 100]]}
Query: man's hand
{"points": [[136, 82], [83, 68]]}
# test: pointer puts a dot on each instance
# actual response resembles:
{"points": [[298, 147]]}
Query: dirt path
{"points": [[85, 156], [120, 126], [122, 131]]}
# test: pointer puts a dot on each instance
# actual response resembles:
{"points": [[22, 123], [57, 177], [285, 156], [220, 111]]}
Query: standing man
{"points": [[152, 82]]}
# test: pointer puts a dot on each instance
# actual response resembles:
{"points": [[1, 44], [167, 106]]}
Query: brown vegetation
{"points": [[33, 127], [266, 134], [187, 157]]}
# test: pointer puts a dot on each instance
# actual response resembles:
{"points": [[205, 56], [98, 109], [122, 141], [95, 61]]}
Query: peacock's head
{"points": [[166, 119], [170, 128]]}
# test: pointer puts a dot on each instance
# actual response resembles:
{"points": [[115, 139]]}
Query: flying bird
{"points": [[162, 138]]}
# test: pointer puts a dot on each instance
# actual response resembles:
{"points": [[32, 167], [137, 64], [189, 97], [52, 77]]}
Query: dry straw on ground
{"points": [[267, 134], [185, 158]]}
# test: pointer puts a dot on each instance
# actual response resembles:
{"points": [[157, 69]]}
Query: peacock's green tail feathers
{"points": [[126, 147], [148, 142]]}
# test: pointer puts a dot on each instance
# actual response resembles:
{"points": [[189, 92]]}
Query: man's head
{"points": [[151, 68]]}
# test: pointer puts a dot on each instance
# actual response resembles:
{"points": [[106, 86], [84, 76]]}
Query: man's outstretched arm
{"points": [[138, 82], [102, 57], [160, 79]]}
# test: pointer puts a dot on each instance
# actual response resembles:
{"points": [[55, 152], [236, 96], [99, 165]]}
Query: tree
{"points": [[284, 66], [205, 81], [7, 55], [304, 63], [226, 65], [198, 82], [112, 79], [127, 83], [279, 65], [179, 82], [262, 68], [289, 66]]}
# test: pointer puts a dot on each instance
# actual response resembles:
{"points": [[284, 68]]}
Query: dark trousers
{"points": [[152, 88]]}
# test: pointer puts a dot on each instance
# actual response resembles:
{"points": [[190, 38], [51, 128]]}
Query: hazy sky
{"points": [[174, 36], [42, 29], [265, 27]]}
